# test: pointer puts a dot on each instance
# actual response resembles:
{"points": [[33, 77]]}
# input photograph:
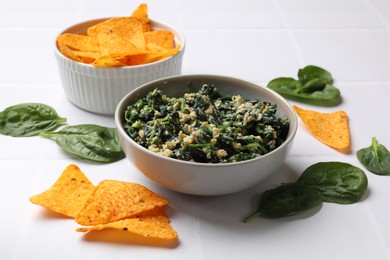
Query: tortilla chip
{"points": [[79, 42], [150, 224], [331, 129], [112, 204], [68, 194], [161, 38], [133, 59], [141, 13], [86, 56], [107, 61], [160, 55], [118, 31], [116, 200], [119, 41]]}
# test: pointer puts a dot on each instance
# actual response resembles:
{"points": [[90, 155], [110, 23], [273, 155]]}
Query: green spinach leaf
{"points": [[286, 201], [28, 119], [334, 182], [313, 78], [92, 142], [314, 84], [337, 182], [376, 158]]}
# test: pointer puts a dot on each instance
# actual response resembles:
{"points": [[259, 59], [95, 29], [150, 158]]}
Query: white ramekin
{"points": [[99, 89]]}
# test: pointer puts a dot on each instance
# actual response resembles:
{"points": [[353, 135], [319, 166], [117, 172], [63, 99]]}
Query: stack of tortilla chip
{"points": [[111, 204], [119, 41]]}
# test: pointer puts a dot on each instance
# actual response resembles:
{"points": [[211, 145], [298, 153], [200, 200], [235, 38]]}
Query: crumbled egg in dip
{"points": [[205, 126]]}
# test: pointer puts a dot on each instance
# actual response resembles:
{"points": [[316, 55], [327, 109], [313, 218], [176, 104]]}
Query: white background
{"points": [[256, 40]]}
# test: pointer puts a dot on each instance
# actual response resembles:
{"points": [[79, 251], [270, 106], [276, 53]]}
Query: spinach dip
{"points": [[205, 126]]}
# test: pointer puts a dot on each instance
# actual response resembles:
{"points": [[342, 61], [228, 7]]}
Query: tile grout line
{"points": [[378, 230], [295, 44], [24, 228], [80, 10], [196, 227], [377, 13]]}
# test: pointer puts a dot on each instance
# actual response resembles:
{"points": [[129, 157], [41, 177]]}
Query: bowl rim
{"points": [[177, 35], [119, 112]]}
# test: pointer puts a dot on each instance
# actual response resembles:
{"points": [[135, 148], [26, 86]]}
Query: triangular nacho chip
{"points": [[330, 128], [123, 30], [79, 42], [150, 224], [68, 194], [107, 61], [141, 13], [116, 200], [162, 38]]}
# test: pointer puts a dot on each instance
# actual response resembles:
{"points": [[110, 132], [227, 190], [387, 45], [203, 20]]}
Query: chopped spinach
{"points": [[205, 126], [92, 142], [314, 85], [376, 158], [334, 182], [28, 119]]}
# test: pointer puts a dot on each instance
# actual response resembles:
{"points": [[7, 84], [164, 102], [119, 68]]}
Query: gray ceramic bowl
{"points": [[203, 178]]}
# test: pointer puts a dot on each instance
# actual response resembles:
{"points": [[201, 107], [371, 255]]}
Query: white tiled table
{"points": [[256, 40]]}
